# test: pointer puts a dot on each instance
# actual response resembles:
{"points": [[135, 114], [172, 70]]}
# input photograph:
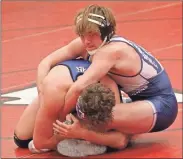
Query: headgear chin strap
{"points": [[92, 52]]}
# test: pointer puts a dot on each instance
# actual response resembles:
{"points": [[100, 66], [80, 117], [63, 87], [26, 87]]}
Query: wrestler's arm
{"points": [[71, 51], [43, 136], [99, 68], [114, 139]]}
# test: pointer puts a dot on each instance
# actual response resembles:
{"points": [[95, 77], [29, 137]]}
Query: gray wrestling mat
{"points": [[79, 148]]}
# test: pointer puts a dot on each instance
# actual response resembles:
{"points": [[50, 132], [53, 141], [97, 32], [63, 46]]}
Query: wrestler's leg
{"points": [[24, 129], [153, 114], [123, 138], [133, 118], [52, 98]]}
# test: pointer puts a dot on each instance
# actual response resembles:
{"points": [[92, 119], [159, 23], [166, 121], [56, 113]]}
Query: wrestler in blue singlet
{"points": [[151, 83]]}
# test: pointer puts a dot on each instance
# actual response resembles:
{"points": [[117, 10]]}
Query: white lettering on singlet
{"points": [[81, 69]]}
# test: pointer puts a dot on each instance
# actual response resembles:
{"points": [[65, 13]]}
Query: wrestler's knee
{"points": [[124, 142], [20, 142]]}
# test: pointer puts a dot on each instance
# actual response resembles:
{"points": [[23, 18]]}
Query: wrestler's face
{"points": [[91, 40]]}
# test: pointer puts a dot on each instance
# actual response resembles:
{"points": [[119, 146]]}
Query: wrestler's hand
{"points": [[69, 131]]}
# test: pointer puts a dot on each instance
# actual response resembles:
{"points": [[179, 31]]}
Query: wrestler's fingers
{"points": [[58, 122], [56, 131], [58, 128], [62, 124]]}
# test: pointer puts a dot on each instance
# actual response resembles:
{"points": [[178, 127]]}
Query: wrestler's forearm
{"points": [[50, 143], [70, 101], [112, 139]]}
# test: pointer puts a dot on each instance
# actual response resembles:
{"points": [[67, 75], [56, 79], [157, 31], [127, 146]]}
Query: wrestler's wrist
{"points": [[84, 134]]}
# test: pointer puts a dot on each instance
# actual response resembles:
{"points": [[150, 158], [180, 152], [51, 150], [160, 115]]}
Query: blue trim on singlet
{"points": [[141, 52], [143, 77]]}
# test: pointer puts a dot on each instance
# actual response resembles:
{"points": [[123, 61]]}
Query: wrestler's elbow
{"points": [[121, 144], [45, 143], [39, 143]]}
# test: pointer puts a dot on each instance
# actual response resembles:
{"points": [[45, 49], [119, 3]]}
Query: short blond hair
{"points": [[82, 25]]}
